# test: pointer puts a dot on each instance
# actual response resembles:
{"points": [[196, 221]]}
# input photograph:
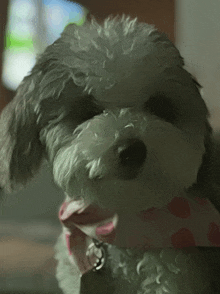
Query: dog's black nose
{"points": [[131, 155]]}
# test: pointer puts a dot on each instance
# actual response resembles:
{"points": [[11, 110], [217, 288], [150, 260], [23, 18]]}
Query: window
{"points": [[32, 26]]}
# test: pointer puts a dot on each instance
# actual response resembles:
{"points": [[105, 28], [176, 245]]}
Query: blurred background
{"points": [[29, 224]]}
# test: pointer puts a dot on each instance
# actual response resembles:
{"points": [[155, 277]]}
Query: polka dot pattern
{"points": [[214, 234], [68, 243], [183, 238], [148, 214], [179, 207], [201, 201], [183, 222]]}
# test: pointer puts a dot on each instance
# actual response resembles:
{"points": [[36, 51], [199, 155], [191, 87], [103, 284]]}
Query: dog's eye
{"points": [[85, 108], [90, 113], [161, 106]]}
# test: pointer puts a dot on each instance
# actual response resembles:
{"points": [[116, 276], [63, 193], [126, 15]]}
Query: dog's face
{"points": [[114, 112]]}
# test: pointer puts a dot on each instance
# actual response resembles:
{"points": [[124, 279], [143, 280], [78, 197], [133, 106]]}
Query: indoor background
{"points": [[29, 224]]}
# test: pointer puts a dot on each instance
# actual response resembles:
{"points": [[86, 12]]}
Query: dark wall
{"points": [[158, 12]]}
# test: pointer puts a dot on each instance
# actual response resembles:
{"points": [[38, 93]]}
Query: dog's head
{"points": [[113, 111]]}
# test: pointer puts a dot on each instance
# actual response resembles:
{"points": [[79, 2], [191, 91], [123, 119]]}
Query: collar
{"points": [[181, 223]]}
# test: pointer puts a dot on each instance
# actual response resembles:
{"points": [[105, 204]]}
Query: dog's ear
{"points": [[21, 151]]}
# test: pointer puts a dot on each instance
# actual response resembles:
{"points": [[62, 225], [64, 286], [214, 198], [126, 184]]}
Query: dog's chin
{"points": [[131, 196]]}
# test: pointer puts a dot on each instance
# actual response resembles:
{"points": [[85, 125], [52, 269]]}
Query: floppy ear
{"points": [[21, 152]]}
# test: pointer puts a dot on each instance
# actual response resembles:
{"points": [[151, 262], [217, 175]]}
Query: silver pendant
{"points": [[96, 250]]}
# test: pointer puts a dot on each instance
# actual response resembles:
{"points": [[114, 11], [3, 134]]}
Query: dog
{"points": [[125, 131]]}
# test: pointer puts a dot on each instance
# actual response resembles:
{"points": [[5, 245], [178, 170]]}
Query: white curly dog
{"points": [[126, 134]]}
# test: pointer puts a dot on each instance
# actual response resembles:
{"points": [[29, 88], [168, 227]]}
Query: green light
{"points": [[79, 22], [13, 42]]}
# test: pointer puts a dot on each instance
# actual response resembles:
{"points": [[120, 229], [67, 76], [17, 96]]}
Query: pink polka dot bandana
{"points": [[182, 223]]}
